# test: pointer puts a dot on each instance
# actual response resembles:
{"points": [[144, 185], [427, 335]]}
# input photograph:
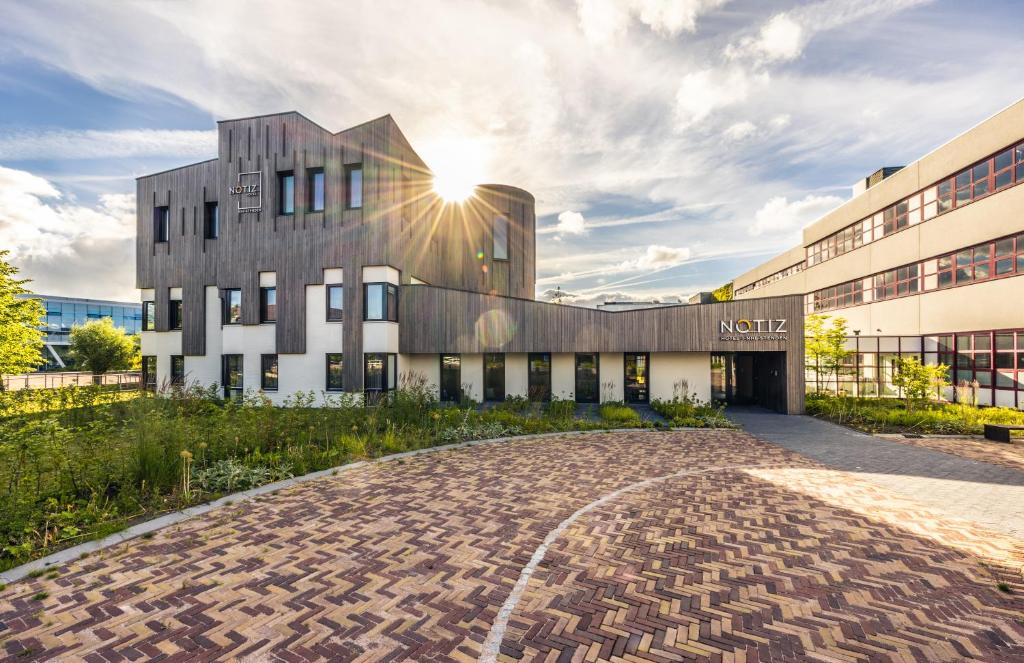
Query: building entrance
{"points": [[749, 378]]}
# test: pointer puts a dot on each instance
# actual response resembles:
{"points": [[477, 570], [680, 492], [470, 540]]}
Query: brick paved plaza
{"points": [[704, 546]]}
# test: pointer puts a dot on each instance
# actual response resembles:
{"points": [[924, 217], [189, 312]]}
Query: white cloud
{"points": [[780, 39], [740, 130], [603, 21], [107, 144], [656, 257], [571, 223], [592, 299], [68, 249], [703, 92], [780, 215]]}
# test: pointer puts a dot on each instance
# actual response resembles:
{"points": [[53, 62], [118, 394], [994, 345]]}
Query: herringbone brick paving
{"points": [[412, 559]]}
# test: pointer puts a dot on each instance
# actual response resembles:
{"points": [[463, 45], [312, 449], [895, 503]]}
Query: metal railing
{"points": [[126, 380]]}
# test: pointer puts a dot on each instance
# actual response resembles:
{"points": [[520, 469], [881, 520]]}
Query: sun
{"points": [[458, 164]]}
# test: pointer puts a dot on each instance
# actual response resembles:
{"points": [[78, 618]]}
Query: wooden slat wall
{"points": [[439, 320], [402, 224]]}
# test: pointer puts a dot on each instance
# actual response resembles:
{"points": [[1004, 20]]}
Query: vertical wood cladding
{"points": [[458, 321], [402, 223]]}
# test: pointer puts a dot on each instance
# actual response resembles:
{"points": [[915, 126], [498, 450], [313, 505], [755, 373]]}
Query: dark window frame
{"points": [[177, 376], [311, 177], [327, 371], [576, 375], [282, 177], [389, 305], [175, 314], [211, 220], [149, 315], [265, 312], [226, 307], [149, 372], [269, 363], [443, 396], [388, 358], [494, 237], [349, 188], [504, 368], [161, 224], [545, 397], [647, 377], [341, 311]]}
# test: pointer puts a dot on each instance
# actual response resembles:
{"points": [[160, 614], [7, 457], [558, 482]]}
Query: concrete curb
{"points": [[76, 552]]}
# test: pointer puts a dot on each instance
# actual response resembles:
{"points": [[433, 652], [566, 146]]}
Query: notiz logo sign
{"points": [[753, 330], [249, 190]]}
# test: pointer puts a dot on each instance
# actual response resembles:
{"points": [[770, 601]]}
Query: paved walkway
{"points": [[964, 488], [644, 546]]}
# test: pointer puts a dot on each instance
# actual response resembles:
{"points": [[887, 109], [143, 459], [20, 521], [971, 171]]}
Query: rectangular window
{"points": [[335, 303], [161, 223], [379, 372], [335, 372], [500, 238], [316, 189], [231, 375], [177, 370], [494, 376], [211, 221], [451, 378], [148, 316], [268, 304], [354, 186], [149, 373], [286, 192], [380, 302], [175, 317], [588, 382], [268, 372], [232, 307], [539, 376]]}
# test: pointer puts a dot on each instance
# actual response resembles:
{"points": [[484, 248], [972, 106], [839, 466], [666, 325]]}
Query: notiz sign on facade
{"points": [[249, 190], [753, 330]]}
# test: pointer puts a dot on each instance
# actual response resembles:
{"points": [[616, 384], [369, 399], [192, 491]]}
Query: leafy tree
{"points": [[918, 381], [826, 352], [723, 293], [21, 342], [98, 346]]}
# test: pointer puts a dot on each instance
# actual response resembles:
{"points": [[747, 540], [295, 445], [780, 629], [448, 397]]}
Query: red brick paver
{"points": [[412, 560], [996, 453]]}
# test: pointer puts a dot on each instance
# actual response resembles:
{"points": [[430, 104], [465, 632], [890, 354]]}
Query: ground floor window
{"points": [[379, 373], [494, 376], [335, 372], [637, 383], [177, 370], [451, 378], [268, 372], [231, 376], [539, 378], [588, 378], [149, 372]]}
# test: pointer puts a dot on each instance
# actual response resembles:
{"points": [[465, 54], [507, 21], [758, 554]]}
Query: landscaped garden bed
{"points": [[79, 463], [888, 415]]}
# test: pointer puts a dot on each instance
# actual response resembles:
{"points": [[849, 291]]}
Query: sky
{"points": [[671, 145]]}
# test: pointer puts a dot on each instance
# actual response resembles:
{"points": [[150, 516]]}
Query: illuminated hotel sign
{"points": [[752, 330], [249, 190]]}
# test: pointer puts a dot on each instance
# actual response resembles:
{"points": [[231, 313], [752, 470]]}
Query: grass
{"points": [[80, 463], [689, 412], [886, 415]]}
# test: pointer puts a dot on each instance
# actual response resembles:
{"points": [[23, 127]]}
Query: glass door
{"points": [[638, 379], [588, 383], [494, 377], [539, 382], [451, 378]]}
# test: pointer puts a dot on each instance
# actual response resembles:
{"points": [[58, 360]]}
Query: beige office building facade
{"points": [[923, 260]]}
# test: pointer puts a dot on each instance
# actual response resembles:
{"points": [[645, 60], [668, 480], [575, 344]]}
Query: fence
{"points": [[48, 380]]}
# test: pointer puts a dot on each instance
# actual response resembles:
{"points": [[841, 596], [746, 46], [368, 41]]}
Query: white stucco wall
{"points": [[612, 369], [308, 372], [516, 374], [163, 345], [426, 365], [205, 369], [669, 368], [473, 376], [563, 375], [380, 336]]}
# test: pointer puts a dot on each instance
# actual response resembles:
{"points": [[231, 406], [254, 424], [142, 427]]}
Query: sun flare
{"points": [[458, 164]]}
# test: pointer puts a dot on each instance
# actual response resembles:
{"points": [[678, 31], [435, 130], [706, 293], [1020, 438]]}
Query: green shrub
{"points": [[230, 475], [689, 412], [561, 408], [619, 415], [887, 415]]}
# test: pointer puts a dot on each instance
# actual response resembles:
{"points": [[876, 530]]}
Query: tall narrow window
{"points": [[268, 372], [500, 238], [494, 377], [148, 316], [380, 302], [286, 192], [161, 223], [268, 304], [315, 187], [335, 303], [354, 186], [177, 370], [232, 306], [211, 221], [149, 372], [379, 372], [231, 376], [335, 371], [539, 376], [175, 317], [451, 378]]}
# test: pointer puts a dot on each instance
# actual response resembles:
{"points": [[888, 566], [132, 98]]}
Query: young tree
{"points": [[98, 346], [723, 293], [21, 342], [918, 381], [826, 352]]}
